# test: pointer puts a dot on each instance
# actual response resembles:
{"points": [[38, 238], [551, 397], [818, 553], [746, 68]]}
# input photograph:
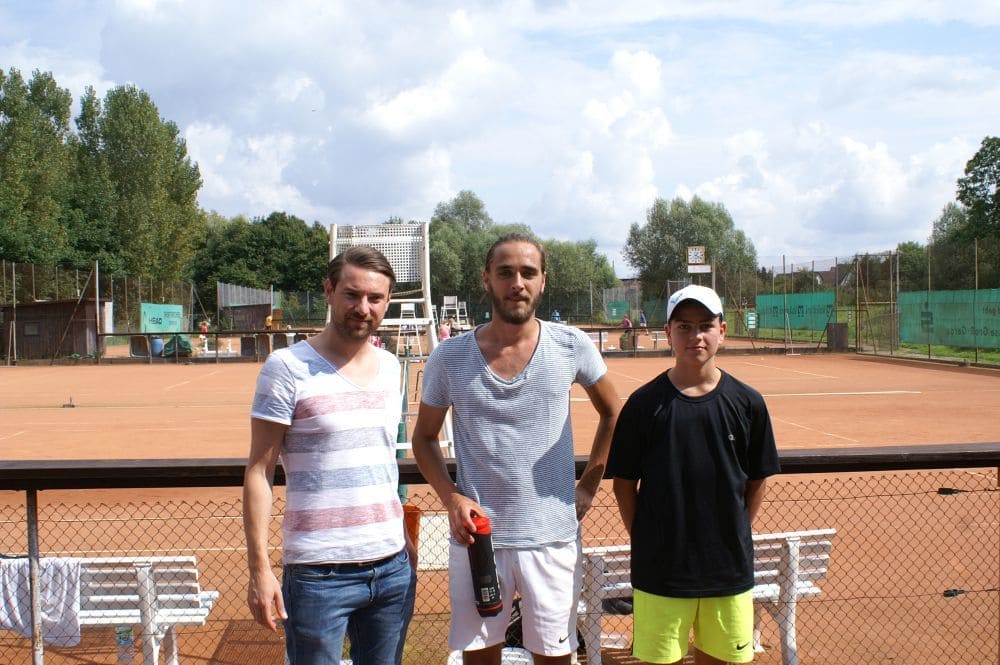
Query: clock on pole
{"points": [[696, 259]]}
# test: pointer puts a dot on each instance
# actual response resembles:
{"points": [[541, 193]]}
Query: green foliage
{"points": [[912, 266], [575, 268], [462, 231], [466, 210], [951, 250], [155, 185], [979, 190], [279, 250], [35, 167], [122, 190], [657, 250], [90, 219]]}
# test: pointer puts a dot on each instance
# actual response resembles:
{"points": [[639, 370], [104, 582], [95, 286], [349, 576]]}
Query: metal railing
{"points": [[914, 571]]}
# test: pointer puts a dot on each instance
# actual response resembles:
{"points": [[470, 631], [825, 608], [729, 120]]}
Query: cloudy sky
{"points": [[825, 128]]}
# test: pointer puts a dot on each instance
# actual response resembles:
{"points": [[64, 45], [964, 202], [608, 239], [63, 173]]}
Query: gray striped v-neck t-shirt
{"points": [[513, 438]]}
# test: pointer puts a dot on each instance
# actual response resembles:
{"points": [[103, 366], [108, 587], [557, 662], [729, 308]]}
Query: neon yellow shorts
{"points": [[723, 627]]}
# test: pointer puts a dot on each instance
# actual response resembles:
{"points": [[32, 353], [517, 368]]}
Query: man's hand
{"points": [[264, 599], [584, 500], [460, 511]]}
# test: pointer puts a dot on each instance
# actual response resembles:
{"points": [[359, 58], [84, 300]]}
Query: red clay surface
{"points": [[201, 410]]}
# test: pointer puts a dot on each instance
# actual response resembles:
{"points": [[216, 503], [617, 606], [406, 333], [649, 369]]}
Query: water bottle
{"points": [[125, 639], [485, 583]]}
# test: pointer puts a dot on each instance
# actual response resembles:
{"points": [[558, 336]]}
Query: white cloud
{"points": [[641, 69], [466, 82], [823, 127]]}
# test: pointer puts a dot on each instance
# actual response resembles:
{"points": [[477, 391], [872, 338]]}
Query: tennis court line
{"points": [[847, 393], [829, 394], [794, 371], [813, 429], [184, 383], [629, 377]]}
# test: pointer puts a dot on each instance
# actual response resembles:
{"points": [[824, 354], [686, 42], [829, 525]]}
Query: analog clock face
{"points": [[696, 254]]}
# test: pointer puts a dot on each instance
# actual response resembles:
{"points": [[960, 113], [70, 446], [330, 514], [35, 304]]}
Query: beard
{"points": [[521, 315], [348, 328]]}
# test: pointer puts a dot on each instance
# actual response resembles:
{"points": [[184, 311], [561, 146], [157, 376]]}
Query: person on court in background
{"points": [[643, 324], [329, 407], [690, 456], [444, 331], [508, 384], [626, 340]]}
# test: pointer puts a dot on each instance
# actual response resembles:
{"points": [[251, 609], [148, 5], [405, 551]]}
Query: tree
{"points": [[91, 211], [279, 250], [979, 190], [657, 250], [575, 273], [459, 230], [952, 224], [292, 255], [952, 250], [912, 266], [466, 209], [34, 163], [155, 185], [462, 231]]}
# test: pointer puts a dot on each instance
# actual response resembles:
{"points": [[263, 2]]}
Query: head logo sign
{"points": [[161, 318]]}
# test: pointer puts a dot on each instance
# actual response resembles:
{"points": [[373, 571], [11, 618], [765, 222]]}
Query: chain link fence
{"points": [[913, 574], [940, 301]]}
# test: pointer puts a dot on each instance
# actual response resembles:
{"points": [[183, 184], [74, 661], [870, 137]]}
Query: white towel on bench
{"points": [[58, 594]]}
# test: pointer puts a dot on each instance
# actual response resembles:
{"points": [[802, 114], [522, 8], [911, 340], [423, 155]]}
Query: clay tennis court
{"points": [[200, 410]]}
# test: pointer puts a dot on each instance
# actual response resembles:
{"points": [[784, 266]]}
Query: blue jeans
{"points": [[371, 602]]}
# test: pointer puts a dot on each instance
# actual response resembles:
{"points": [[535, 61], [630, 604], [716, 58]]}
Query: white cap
{"points": [[700, 294]]}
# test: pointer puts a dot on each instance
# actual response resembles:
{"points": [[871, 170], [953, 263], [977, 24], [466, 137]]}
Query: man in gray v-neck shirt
{"points": [[508, 385]]}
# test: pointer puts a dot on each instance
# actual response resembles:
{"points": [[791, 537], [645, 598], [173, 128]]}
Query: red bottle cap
{"points": [[482, 525]]}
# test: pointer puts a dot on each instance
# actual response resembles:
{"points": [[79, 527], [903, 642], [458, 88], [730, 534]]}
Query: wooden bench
{"points": [[156, 593], [787, 567]]}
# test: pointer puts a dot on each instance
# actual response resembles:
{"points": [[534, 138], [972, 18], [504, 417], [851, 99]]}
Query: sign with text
{"points": [[964, 318], [161, 318]]}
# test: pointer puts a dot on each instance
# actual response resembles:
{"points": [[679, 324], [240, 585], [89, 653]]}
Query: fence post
{"points": [[31, 509]]}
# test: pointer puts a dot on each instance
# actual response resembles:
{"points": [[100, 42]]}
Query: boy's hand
{"points": [[584, 500]]}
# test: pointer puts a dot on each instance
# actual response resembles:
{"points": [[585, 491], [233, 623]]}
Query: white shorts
{"points": [[548, 580]]}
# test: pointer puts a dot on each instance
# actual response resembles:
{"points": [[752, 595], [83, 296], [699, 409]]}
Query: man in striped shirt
{"points": [[508, 385], [329, 408]]}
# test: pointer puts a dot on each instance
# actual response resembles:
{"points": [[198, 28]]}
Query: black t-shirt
{"points": [[693, 457]]}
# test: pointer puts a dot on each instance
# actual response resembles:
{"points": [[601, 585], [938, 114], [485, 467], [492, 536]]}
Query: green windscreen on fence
{"points": [[161, 318], [806, 311], [953, 318], [616, 309]]}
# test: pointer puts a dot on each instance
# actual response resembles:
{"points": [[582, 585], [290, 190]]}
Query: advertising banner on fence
{"points": [[806, 311], [161, 318], [953, 318]]}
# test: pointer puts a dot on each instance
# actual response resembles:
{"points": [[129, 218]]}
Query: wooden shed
{"points": [[51, 328]]}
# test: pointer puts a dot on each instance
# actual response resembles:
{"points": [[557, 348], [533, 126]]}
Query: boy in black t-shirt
{"points": [[689, 457]]}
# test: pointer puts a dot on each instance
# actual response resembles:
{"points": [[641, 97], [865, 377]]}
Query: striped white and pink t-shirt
{"points": [[339, 456]]}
